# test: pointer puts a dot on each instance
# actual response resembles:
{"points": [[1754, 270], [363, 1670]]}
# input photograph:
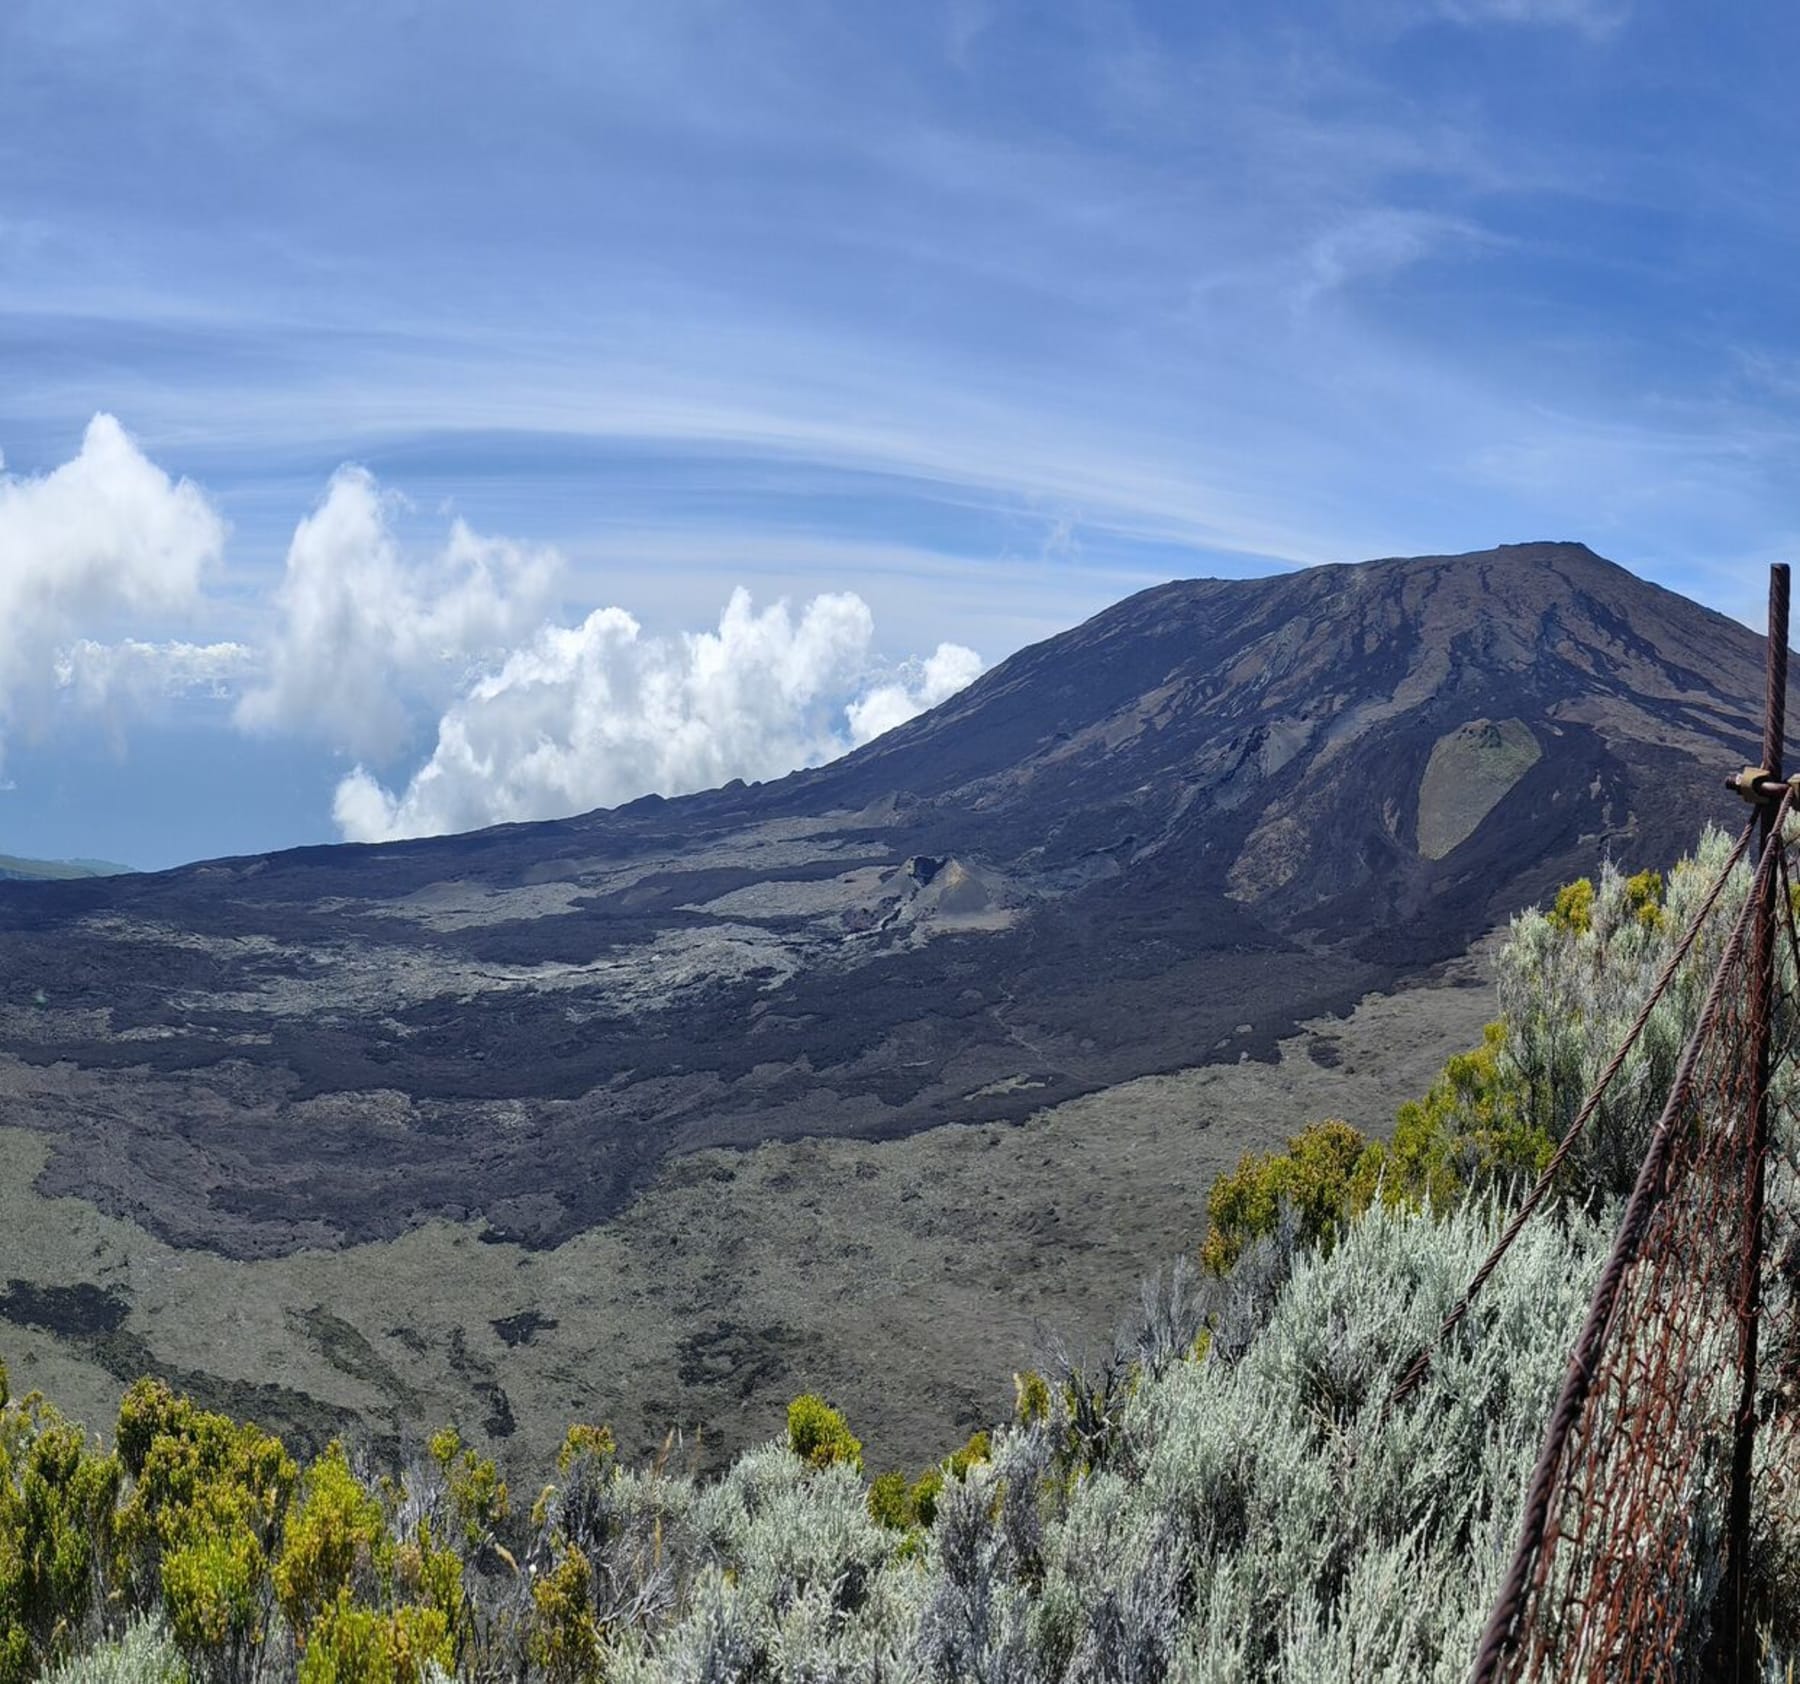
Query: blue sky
{"points": [[986, 313]]}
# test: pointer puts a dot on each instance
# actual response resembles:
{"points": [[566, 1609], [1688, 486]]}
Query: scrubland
{"points": [[1223, 1493]]}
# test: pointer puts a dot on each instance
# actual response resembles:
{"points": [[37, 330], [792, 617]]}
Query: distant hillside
{"points": [[13, 869]]}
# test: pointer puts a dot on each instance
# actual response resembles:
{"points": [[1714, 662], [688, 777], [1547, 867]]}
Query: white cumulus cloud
{"points": [[949, 669], [595, 714], [381, 653], [367, 636], [105, 539]]}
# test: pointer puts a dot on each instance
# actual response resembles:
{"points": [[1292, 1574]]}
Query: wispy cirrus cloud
{"points": [[1597, 19]]}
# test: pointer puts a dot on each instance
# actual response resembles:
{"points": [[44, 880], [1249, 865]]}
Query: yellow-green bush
{"points": [[978, 1449], [206, 1503], [566, 1643], [1314, 1177], [1573, 909], [1644, 895], [583, 1442], [887, 1501], [355, 1645], [1468, 1130], [213, 1586], [56, 1504], [1031, 1397], [819, 1435], [478, 1496], [336, 1527], [902, 1507]]}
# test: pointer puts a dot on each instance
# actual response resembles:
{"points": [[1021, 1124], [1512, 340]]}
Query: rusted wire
{"points": [[1625, 1515], [1420, 1366]]}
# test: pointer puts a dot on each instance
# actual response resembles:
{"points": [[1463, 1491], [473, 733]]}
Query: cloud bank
{"points": [[374, 653], [596, 714], [949, 669], [134, 673]]}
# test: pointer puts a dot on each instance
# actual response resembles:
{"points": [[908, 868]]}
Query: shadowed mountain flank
{"points": [[1161, 839]]}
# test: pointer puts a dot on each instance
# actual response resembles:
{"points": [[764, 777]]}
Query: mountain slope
{"points": [[1166, 839], [1203, 807]]}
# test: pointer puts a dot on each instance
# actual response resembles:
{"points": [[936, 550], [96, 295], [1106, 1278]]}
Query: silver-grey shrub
{"points": [[144, 1654], [1263, 1518]]}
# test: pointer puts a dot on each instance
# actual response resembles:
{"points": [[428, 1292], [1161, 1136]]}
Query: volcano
{"points": [[1159, 841]]}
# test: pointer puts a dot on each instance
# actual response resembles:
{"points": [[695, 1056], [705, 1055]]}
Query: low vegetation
{"points": [[1222, 1494]]}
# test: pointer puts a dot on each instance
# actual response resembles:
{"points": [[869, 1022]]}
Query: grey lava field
{"points": [[458, 1126]]}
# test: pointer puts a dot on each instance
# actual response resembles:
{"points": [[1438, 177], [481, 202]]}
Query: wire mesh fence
{"points": [[1624, 1567]]}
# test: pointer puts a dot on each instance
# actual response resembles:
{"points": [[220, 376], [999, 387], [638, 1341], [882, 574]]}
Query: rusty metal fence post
{"points": [[1732, 1658]]}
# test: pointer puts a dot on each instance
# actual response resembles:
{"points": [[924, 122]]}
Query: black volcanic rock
{"points": [[1222, 802]]}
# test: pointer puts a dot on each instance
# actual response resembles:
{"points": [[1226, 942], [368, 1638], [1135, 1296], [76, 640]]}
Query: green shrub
{"points": [[977, 1450], [1031, 1398], [1470, 1130], [1644, 895], [820, 1436], [213, 1587], [1316, 1177], [57, 1498], [1573, 909], [203, 1514], [922, 1496], [478, 1496], [354, 1645], [336, 1527], [888, 1502], [566, 1643]]}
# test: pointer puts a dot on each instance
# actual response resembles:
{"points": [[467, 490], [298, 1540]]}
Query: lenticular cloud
{"points": [[598, 713]]}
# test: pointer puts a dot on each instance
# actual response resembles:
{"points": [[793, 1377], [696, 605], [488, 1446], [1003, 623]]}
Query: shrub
{"points": [[1569, 989], [1031, 1397], [820, 1436], [336, 1528], [353, 1645], [566, 1642], [1573, 909], [56, 1507], [144, 1654], [478, 1496], [889, 1501], [206, 1502], [1469, 1131], [1644, 895], [1316, 1175]]}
